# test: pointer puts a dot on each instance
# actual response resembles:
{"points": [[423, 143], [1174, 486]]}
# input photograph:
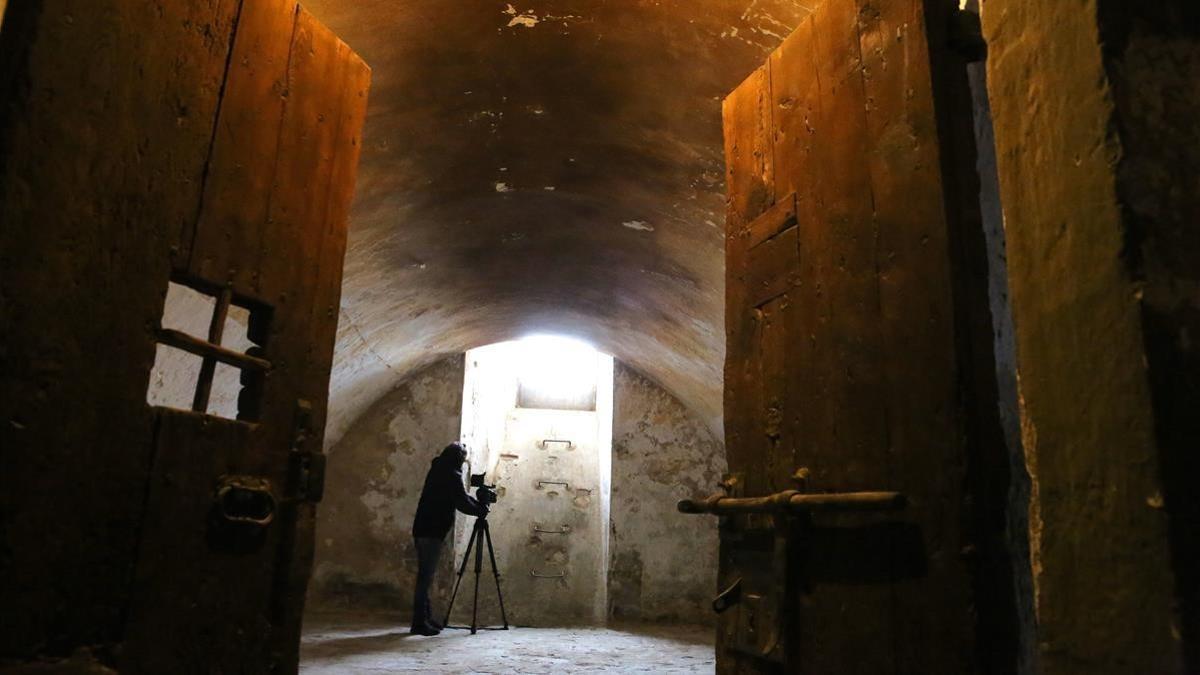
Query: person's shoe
{"points": [[437, 625], [424, 629]]}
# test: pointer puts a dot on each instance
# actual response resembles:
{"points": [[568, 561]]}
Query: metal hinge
{"points": [[308, 465], [312, 476]]}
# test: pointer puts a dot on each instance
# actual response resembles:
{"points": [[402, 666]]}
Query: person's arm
{"points": [[464, 502]]}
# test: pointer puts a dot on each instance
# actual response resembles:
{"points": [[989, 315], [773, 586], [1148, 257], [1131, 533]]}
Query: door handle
{"points": [[728, 597], [245, 499]]}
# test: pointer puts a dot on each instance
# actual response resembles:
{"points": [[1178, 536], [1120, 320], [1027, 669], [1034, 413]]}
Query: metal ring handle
{"points": [[245, 499]]}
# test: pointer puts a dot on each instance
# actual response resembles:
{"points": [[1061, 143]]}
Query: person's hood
{"points": [[449, 462]]}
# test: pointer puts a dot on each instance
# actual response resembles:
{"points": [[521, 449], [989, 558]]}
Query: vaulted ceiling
{"points": [[544, 166]]}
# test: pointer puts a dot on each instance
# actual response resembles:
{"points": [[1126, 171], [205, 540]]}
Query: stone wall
{"points": [[1103, 590], [1152, 59], [365, 556], [663, 563]]}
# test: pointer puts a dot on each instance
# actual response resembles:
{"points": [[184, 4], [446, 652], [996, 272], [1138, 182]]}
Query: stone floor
{"points": [[344, 645]]}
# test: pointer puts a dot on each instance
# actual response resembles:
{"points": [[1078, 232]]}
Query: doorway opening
{"points": [[655, 567], [537, 421]]}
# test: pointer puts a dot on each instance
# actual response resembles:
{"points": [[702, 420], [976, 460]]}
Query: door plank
{"points": [[853, 456], [749, 180], [228, 238], [779, 387], [799, 138], [918, 325], [295, 226], [352, 111], [845, 434], [771, 268], [774, 220], [319, 150]]}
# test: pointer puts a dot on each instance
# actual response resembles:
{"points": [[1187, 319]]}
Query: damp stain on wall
{"points": [[365, 556], [662, 564]]}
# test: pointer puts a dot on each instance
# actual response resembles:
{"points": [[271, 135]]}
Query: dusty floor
{"points": [[345, 645]]}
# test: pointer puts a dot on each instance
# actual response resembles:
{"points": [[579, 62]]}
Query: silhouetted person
{"points": [[443, 493]]}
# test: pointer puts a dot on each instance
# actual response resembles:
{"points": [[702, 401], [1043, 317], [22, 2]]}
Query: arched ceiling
{"points": [[542, 166]]}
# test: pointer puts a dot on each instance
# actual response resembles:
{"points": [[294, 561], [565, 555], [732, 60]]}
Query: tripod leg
{"points": [[461, 568], [479, 531], [496, 572]]}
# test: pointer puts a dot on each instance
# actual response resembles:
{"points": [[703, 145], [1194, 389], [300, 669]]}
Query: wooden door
{"points": [[844, 345], [226, 545]]}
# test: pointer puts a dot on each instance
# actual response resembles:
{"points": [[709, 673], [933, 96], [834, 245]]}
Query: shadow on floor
{"points": [[348, 643]]}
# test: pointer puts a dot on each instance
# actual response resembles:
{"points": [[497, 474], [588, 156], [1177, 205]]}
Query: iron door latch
{"points": [[245, 500], [308, 465], [758, 545]]}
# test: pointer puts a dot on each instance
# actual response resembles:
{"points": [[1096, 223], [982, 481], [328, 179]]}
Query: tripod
{"points": [[479, 535]]}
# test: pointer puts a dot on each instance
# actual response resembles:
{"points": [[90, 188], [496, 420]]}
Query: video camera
{"points": [[486, 494]]}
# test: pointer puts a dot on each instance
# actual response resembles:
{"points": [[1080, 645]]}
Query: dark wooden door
{"points": [[226, 545], [844, 345]]}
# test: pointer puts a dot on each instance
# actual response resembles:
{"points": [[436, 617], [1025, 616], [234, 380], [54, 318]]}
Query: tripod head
{"points": [[486, 494]]}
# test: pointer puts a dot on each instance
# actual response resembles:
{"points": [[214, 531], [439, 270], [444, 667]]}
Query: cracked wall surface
{"points": [[663, 564]]}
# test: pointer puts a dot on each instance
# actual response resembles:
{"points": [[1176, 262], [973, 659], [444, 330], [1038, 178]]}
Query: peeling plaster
{"points": [[374, 479], [662, 564], [528, 19], [639, 225]]}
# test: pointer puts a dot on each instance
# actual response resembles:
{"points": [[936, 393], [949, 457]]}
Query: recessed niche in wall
{"points": [[555, 373]]}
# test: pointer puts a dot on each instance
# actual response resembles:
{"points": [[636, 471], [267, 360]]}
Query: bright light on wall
{"points": [[516, 396], [556, 372]]}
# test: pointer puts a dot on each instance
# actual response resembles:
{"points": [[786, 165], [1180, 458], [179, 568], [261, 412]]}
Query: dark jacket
{"points": [[443, 492]]}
